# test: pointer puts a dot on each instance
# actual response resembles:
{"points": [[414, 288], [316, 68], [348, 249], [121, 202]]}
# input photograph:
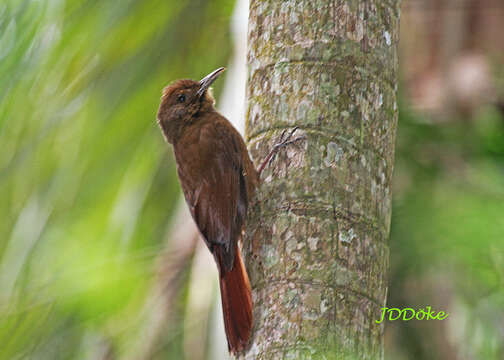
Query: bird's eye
{"points": [[181, 98]]}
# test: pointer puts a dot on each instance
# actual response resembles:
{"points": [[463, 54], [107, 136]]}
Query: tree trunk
{"points": [[316, 243]]}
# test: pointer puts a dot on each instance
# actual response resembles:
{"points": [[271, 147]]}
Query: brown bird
{"points": [[218, 180]]}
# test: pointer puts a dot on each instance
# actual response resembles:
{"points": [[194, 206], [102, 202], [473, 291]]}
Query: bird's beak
{"points": [[208, 80]]}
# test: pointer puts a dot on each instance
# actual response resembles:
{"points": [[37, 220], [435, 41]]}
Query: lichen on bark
{"points": [[315, 244]]}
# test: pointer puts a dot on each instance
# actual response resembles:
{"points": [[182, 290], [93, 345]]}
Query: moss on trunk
{"points": [[316, 244]]}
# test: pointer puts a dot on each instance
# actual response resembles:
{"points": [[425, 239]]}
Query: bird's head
{"points": [[182, 100]]}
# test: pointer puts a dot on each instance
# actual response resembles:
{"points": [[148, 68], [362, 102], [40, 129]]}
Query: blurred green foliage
{"points": [[87, 184], [447, 238]]}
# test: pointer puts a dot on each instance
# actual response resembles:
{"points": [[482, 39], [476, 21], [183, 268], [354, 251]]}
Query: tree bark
{"points": [[315, 243]]}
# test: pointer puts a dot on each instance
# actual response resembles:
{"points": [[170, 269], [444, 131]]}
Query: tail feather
{"points": [[236, 304]]}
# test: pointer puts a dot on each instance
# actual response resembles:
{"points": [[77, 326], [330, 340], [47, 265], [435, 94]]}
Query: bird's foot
{"points": [[285, 140]]}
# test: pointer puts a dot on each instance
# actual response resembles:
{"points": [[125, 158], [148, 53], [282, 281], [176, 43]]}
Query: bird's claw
{"points": [[283, 142]]}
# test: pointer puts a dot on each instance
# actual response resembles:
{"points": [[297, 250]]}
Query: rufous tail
{"points": [[236, 304]]}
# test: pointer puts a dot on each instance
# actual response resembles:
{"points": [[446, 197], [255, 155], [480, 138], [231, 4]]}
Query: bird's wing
{"points": [[219, 201]]}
